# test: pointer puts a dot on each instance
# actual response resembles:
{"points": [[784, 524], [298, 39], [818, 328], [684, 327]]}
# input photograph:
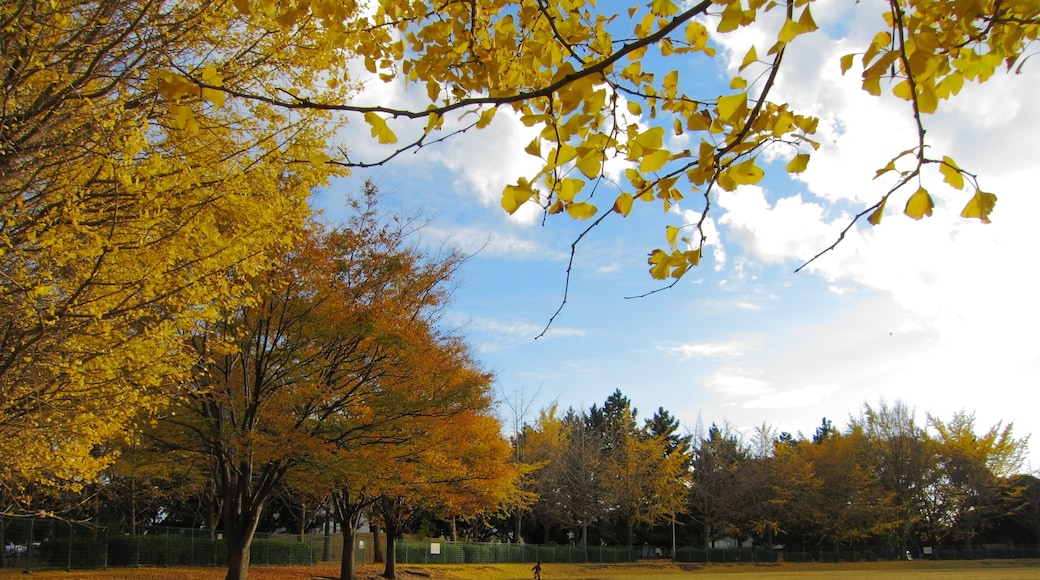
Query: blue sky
{"points": [[940, 314]]}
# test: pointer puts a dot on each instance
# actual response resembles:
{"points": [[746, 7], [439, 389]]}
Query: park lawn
{"points": [[920, 570]]}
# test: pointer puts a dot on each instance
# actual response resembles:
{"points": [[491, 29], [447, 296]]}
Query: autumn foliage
{"points": [[884, 482], [162, 287], [123, 223]]}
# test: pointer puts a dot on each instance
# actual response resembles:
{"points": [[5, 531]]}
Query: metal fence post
{"points": [[68, 565], [28, 547]]}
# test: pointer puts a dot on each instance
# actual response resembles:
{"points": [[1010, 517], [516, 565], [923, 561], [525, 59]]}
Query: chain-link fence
{"points": [[434, 552], [852, 553], [34, 543], [31, 543]]}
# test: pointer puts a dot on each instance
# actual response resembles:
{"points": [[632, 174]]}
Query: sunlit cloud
{"points": [[732, 383], [715, 350]]}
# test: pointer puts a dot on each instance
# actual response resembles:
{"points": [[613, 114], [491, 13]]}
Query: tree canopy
{"points": [[607, 86], [125, 220]]}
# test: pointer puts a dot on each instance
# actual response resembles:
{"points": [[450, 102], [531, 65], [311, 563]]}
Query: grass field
{"points": [[919, 570]]}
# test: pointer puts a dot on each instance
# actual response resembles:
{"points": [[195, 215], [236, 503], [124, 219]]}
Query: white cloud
{"points": [[792, 398], [721, 350], [514, 330], [490, 159], [501, 241], [789, 228], [733, 382]]}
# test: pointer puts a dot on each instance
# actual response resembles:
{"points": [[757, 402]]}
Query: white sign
{"points": [[435, 549]]}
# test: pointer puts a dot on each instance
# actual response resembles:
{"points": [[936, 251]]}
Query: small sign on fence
{"points": [[435, 549]]}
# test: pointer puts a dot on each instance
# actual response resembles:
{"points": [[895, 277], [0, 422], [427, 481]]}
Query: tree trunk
{"points": [[133, 506], [239, 529], [517, 527], [390, 569], [377, 546], [393, 513], [238, 557], [346, 565], [244, 493], [349, 508], [326, 547]]}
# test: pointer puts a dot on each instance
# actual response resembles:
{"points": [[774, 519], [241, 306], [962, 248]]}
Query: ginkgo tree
{"points": [[582, 74], [132, 207]]}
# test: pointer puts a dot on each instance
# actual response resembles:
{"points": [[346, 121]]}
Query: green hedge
{"points": [[418, 552], [162, 550], [85, 553], [165, 550]]}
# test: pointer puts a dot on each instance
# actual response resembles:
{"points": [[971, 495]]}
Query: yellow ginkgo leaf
{"points": [[515, 195], [215, 96], [380, 130], [789, 31], [486, 116], [671, 233], [581, 210], [875, 216], [590, 164], [980, 206], [659, 262], [951, 173], [623, 204], [846, 62], [750, 58], [654, 161], [652, 138], [745, 173], [568, 188], [534, 147], [664, 8], [919, 205], [732, 106], [671, 84], [696, 35], [798, 164]]}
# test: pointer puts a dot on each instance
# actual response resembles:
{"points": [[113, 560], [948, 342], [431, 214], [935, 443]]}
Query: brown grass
{"points": [[918, 570]]}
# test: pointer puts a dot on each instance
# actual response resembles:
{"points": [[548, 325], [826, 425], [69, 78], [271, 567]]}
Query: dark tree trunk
{"points": [[390, 569], [349, 508], [244, 493], [377, 546], [238, 557], [393, 515]]}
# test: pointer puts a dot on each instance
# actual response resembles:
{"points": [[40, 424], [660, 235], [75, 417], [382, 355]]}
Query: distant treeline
{"points": [[884, 479]]}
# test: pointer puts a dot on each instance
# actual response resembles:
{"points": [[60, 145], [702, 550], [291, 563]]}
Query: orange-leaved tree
{"points": [[310, 363], [458, 467], [432, 445]]}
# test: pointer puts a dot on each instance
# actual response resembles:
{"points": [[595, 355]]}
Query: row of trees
{"points": [[884, 479]]}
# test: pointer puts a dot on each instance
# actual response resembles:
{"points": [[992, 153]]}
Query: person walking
{"points": [[537, 571]]}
